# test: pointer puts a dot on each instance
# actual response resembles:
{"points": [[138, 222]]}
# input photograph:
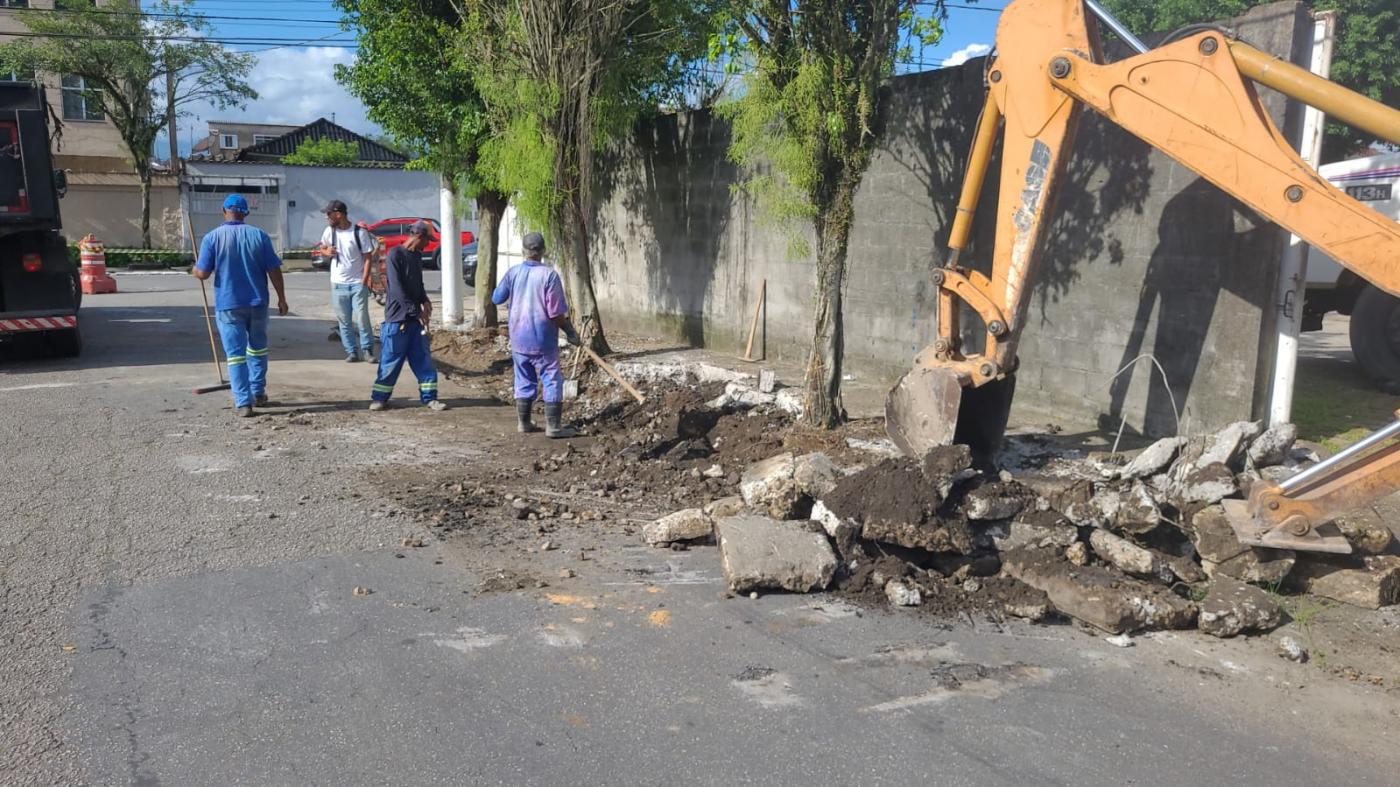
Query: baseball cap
{"points": [[235, 202], [420, 229], [334, 205], [533, 242]]}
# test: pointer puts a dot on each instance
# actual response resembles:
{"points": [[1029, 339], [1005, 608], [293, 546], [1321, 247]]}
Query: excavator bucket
{"points": [[1252, 532], [928, 408]]}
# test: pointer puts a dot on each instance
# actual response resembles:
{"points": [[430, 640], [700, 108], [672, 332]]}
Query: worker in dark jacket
{"points": [[404, 334]]}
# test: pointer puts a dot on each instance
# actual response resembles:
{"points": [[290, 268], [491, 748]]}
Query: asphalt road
{"points": [[177, 606]]}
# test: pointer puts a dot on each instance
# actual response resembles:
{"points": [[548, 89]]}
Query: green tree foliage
{"points": [[325, 152], [560, 79], [1365, 56], [411, 74], [806, 127], [132, 64]]}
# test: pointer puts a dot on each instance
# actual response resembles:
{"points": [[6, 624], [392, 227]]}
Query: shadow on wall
{"points": [[930, 138], [1207, 242], [679, 201]]}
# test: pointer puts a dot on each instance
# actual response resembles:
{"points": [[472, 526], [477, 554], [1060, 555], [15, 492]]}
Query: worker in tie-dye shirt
{"points": [[538, 311]]}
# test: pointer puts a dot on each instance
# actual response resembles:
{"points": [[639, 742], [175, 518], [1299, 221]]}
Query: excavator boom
{"points": [[1194, 99]]}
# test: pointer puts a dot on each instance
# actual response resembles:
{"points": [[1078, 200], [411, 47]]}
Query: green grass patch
{"points": [[1334, 404]]}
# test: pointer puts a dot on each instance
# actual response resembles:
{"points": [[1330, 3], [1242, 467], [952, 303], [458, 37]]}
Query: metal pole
{"points": [[1293, 267], [1118, 28], [450, 255], [1348, 453]]}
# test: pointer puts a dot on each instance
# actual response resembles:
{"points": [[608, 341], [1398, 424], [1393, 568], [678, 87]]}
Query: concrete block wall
{"points": [[1144, 257]]}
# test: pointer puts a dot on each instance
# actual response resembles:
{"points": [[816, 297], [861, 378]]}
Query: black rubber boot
{"points": [[553, 421], [522, 415]]}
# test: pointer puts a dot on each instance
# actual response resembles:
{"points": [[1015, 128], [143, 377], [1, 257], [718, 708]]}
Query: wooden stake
{"points": [[753, 324], [602, 364], [208, 323]]}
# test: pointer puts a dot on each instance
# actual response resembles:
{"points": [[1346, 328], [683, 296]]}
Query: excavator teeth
{"points": [[928, 408]]}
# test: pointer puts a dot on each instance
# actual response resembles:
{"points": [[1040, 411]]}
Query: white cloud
{"points": [[966, 53], [295, 86]]}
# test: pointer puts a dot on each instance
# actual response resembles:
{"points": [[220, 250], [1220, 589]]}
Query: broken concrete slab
{"points": [[1222, 553], [1006, 536], [1101, 510], [725, 506], [1138, 511], [1374, 585], [759, 553], [828, 518], [1101, 597], [687, 525], [993, 501], [1232, 607], [1058, 491], [1200, 485], [1153, 459], [815, 474], [1227, 446], [768, 485], [934, 534], [903, 594], [1272, 447], [1367, 538], [1124, 555]]}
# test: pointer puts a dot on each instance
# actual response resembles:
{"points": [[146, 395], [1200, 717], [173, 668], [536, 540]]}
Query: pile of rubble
{"points": [[1121, 543]]}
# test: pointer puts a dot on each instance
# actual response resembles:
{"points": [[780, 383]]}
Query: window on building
{"points": [[17, 76], [14, 4], [258, 139], [79, 101], [228, 141]]}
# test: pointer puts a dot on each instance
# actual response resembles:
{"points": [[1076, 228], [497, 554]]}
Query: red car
{"points": [[392, 232]]}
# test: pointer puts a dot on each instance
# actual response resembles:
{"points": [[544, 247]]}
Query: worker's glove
{"points": [[572, 336]]}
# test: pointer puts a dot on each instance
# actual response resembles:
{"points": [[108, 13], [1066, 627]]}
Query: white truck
{"points": [[1375, 315]]}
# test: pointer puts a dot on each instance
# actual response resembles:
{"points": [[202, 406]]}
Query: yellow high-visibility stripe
{"points": [[263, 351]]}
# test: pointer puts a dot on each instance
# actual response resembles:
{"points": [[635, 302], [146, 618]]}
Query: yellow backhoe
{"points": [[1193, 98]]}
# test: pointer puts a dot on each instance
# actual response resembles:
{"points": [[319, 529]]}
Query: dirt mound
{"points": [[479, 351]]}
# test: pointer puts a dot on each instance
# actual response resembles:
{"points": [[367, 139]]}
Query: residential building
{"points": [[103, 189], [287, 199], [369, 152], [227, 139]]}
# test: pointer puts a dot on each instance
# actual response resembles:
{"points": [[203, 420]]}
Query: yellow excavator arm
{"points": [[1193, 98]]}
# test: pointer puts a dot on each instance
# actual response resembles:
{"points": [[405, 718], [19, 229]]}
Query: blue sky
{"points": [[296, 85]]}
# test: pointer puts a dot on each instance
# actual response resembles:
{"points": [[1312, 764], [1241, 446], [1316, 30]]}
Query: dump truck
{"points": [[40, 289], [1194, 97]]}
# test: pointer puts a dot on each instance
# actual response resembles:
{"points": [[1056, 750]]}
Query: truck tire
{"points": [[1375, 337], [65, 344]]}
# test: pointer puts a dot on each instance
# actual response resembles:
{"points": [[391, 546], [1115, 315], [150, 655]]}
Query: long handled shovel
{"points": [[222, 385]]}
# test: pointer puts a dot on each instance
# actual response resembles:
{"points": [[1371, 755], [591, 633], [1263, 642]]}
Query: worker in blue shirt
{"points": [[538, 312], [403, 335], [241, 259]]}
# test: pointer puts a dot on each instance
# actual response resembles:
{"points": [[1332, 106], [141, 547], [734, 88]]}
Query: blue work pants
{"points": [[244, 334], [399, 342], [536, 372]]}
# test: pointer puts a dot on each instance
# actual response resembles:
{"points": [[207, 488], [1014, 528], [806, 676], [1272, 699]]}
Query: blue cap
{"points": [[235, 202], [421, 229]]}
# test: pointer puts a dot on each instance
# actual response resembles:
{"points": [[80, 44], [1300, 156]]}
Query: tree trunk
{"points": [[492, 207], [569, 220], [145, 175], [578, 277], [822, 406]]}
